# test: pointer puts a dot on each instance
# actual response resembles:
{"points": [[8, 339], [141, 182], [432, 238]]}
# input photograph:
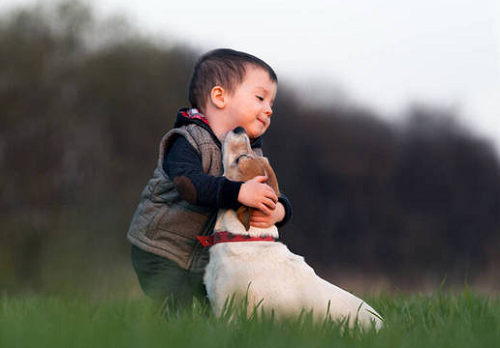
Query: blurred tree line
{"points": [[84, 103]]}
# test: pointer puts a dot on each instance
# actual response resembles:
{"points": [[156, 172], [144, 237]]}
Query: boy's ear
{"points": [[218, 97]]}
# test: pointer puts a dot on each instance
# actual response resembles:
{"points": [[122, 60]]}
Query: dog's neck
{"points": [[227, 221]]}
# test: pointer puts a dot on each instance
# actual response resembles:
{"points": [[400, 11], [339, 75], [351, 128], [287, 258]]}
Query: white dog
{"points": [[247, 262]]}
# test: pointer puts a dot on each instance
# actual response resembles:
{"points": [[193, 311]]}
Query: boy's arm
{"points": [[183, 164]]}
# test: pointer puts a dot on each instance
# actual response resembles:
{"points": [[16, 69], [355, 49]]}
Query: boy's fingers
{"points": [[256, 213], [261, 178], [264, 209], [261, 221], [256, 221], [271, 204], [260, 225], [269, 193], [268, 202], [272, 196], [275, 197]]}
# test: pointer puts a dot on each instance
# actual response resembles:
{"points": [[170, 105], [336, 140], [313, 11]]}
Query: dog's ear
{"points": [[243, 214], [271, 176]]}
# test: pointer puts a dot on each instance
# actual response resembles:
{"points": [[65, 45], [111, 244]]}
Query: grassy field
{"points": [[440, 320]]}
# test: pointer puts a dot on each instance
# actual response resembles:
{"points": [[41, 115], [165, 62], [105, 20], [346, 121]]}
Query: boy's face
{"points": [[250, 104]]}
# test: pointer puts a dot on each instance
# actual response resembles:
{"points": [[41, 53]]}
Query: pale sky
{"points": [[383, 54]]}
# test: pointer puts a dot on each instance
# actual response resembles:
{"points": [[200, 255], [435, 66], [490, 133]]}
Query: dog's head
{"points": [[242, 164]]}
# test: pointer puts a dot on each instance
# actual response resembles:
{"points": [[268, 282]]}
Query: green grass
{"points": [[439, 320]]}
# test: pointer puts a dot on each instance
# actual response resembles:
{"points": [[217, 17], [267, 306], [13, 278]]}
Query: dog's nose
{"points": [[239, 130]]}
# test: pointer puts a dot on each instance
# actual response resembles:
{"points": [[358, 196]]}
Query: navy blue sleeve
{"points": [[183, 165], [288, 210]]}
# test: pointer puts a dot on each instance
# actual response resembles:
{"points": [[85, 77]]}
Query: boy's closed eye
{"points": [[260, 98]]}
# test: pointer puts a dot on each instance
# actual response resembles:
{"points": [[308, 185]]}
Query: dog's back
{"points": [[271, 276]]}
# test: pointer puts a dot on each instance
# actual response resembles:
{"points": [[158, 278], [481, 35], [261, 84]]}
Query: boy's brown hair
{"points": [[221, 67]]}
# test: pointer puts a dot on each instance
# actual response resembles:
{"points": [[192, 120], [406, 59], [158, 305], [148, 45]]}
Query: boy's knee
{"points": [[166, 282]]}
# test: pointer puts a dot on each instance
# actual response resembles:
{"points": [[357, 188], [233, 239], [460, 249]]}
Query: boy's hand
{"points": [[260, 220], [254, 193]]}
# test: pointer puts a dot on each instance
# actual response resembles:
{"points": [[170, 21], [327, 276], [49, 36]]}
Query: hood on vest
{"points": [[187, 116]]}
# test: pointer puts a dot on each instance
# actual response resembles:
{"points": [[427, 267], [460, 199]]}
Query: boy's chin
{"points": [[255, 133]]}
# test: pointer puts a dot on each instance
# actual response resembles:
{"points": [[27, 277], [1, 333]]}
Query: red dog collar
{"points": [[227, 237]]}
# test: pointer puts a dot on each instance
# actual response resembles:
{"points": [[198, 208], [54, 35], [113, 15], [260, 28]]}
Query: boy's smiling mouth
{"points": [[262, 121]]}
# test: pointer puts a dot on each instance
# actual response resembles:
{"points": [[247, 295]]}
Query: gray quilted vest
{"points": [[164, 223]]}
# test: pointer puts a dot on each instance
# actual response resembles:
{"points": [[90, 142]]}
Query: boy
{"points": [[227, 89]]}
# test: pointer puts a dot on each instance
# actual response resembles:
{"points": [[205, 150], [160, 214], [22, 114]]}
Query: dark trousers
{"points": [[166, 282]]}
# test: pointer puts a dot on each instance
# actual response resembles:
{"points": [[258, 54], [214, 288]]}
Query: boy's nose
{"points": [[269, 111]]}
